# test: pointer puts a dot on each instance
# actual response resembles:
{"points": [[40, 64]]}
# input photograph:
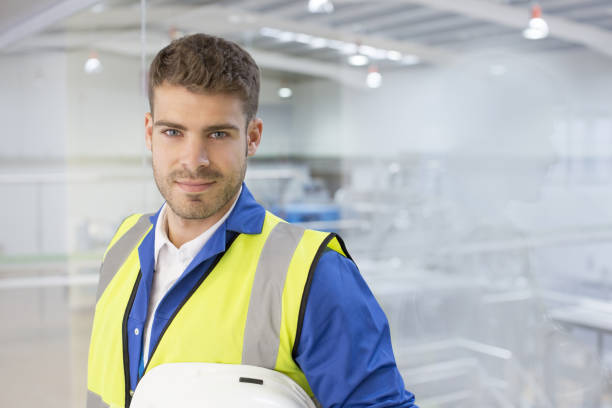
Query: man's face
{"points": [[199, 144]]}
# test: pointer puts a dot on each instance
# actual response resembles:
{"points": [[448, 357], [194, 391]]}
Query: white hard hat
{"points": [[191, 385]]}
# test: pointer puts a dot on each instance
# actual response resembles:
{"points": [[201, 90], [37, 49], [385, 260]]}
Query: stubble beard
{"points": [[199, 206]]}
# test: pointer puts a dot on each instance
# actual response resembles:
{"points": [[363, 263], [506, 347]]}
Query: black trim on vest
{"points": [[126, 354], [193, 290], [306, 292], [322, 249], [341, 242]]}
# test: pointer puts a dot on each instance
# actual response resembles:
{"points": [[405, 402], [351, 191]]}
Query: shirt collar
{"points": [[248, 215], [190, 248]]}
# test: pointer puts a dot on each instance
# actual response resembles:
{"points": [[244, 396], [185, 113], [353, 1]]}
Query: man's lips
{"points": [[194, 186]]}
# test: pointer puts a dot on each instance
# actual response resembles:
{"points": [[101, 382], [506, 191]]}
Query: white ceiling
{"points": [[13, 12], [433, 30]]}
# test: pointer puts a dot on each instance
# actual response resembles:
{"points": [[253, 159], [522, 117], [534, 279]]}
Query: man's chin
{"points": [[193, 215]]}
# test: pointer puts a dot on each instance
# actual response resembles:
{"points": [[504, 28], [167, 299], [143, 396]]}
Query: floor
{"points": [[43, 346], [44, 343]]}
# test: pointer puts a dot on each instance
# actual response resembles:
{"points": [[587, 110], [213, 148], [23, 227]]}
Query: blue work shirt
{"points": [[345, 345]]}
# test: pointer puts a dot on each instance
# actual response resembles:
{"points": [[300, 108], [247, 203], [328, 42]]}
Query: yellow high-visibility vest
{"points": [[248, 309]]}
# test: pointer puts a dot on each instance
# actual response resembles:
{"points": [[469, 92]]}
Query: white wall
{"points": [[317, 119], [278, 136], [33, 145], [50, 109], [54, 114], [440, 109], [33, 105], [418, 109], [106, 110]]}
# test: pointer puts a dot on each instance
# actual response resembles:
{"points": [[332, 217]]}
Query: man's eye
{"points": [[218, 135], [171, 132]]}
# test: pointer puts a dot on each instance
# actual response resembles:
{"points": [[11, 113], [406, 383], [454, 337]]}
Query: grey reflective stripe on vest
{"points": [[262, 329], [95, 401], [118, 253]]}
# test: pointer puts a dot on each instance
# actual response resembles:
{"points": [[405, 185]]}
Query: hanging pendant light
{"points": [[320, 6], [374, 78], [538, 27], [93, 64], [358, 60]]}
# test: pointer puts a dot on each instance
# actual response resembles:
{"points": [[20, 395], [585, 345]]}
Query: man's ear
{"points": [[254, 135], [148, 130]]}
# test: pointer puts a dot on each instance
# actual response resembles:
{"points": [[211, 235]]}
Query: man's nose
{"points": [[194, 154]]}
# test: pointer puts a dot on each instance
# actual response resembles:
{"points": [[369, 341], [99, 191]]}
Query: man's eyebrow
{"points": [[221, 126], [169, 124], [211, 128]]}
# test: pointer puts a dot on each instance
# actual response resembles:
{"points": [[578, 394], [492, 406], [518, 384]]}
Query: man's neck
{"points": [[182, 230]]}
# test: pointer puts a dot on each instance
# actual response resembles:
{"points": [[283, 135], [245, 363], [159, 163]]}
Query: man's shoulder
{"points": [[142, 221], [131, 220]]}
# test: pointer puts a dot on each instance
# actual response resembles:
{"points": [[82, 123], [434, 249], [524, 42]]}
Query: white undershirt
{"points": [[170, 263]]}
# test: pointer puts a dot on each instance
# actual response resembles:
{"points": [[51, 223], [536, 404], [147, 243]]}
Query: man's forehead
{"points": [[178, 100], [168, 88]]}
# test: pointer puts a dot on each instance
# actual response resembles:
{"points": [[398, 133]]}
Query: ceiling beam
{"points": [[513, 16], [407, 18], [40, 21], [352, 77], [329, 19], [125, 43], [220, 15], [288, 9]]}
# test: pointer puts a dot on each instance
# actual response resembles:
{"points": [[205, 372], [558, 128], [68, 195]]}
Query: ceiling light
{"points": [[394, 55], [348, 48], [303, 38], [379, 53], [175, 34], [285, 92], [98, 8], [367, 50], [358, 60], [286, 36], [497, 70], [336, 45], [373, 52], [93, 64], [359, 55], [374, 78], [410, 60], [318, 42], [320, 6], [270, 32], [537, 28]]}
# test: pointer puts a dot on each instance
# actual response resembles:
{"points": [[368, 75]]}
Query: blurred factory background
{"points": [[462, 148]]}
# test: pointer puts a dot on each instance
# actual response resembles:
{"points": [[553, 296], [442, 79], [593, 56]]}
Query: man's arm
{"points": [[345, 345]]}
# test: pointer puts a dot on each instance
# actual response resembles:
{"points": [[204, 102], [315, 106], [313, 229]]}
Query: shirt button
{"points": [[136, 331]]}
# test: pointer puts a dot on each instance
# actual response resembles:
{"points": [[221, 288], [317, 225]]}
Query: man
{"points": [[214, 278]]}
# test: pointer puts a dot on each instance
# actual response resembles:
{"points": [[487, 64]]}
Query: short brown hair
{"points": [[203, 63]]}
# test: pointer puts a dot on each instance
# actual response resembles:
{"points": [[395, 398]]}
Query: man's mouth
{"points": [[194, 186]]}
